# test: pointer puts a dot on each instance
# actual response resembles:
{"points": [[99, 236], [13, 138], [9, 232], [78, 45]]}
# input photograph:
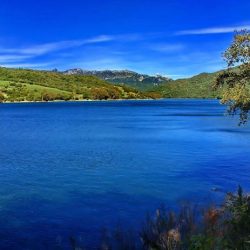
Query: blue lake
{"points": [[73, 168]]}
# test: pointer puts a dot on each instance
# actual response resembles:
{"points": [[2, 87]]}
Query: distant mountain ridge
{"points": [[131, 78]]}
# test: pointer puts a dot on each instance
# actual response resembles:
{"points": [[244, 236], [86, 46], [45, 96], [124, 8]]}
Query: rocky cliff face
{"points": [[131, 78]]}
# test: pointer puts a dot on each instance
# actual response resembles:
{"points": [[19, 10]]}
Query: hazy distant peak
{"points": [[128, 77]]}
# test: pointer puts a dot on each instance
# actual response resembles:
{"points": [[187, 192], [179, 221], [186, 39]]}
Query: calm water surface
{"points": [[73, 168]]}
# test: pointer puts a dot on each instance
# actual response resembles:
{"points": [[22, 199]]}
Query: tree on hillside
{"points": [[1, 97], [236, 78], [47, 96]]}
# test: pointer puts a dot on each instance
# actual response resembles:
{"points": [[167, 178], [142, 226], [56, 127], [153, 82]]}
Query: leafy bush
{"points": [[214, 228]]}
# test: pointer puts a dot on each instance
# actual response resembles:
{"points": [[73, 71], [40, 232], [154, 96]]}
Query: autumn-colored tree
{"points": [[100, 94], [47, 96], [1, 97], [236, 78]]}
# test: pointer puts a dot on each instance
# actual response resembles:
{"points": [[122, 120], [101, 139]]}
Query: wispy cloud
{"points": [[26, 65], [212, 30], [41, 49], [167, 48], [22, 56], [6, 58], [23, 53], [99, 39]]}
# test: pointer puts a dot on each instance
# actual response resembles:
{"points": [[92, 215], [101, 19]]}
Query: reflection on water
{"points": [[71, 168]]}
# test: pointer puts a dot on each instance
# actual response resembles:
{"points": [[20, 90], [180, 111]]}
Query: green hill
{"points": [[199, 86], [33, 85]]}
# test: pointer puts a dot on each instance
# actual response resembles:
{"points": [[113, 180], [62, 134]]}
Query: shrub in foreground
{"points": [[213, 228]]}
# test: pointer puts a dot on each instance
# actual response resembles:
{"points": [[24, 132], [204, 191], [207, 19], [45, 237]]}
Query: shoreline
{"points": [[83, 100], [109, 100]]}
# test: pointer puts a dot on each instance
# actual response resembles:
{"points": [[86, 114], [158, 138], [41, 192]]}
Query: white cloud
{"points": [[21, 54], [212, 30], [167, 47], [45, 48], [99, 39], [13, 58], [25, 65]]}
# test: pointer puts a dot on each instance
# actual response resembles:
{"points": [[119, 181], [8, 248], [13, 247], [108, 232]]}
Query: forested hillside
{"points": [[32, 85], [200, 86]]}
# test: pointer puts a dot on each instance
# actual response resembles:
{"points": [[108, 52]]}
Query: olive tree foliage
{"points": [[236, 79]]}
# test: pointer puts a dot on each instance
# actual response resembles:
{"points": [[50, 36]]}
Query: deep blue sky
{"points": [[175, 38]]}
